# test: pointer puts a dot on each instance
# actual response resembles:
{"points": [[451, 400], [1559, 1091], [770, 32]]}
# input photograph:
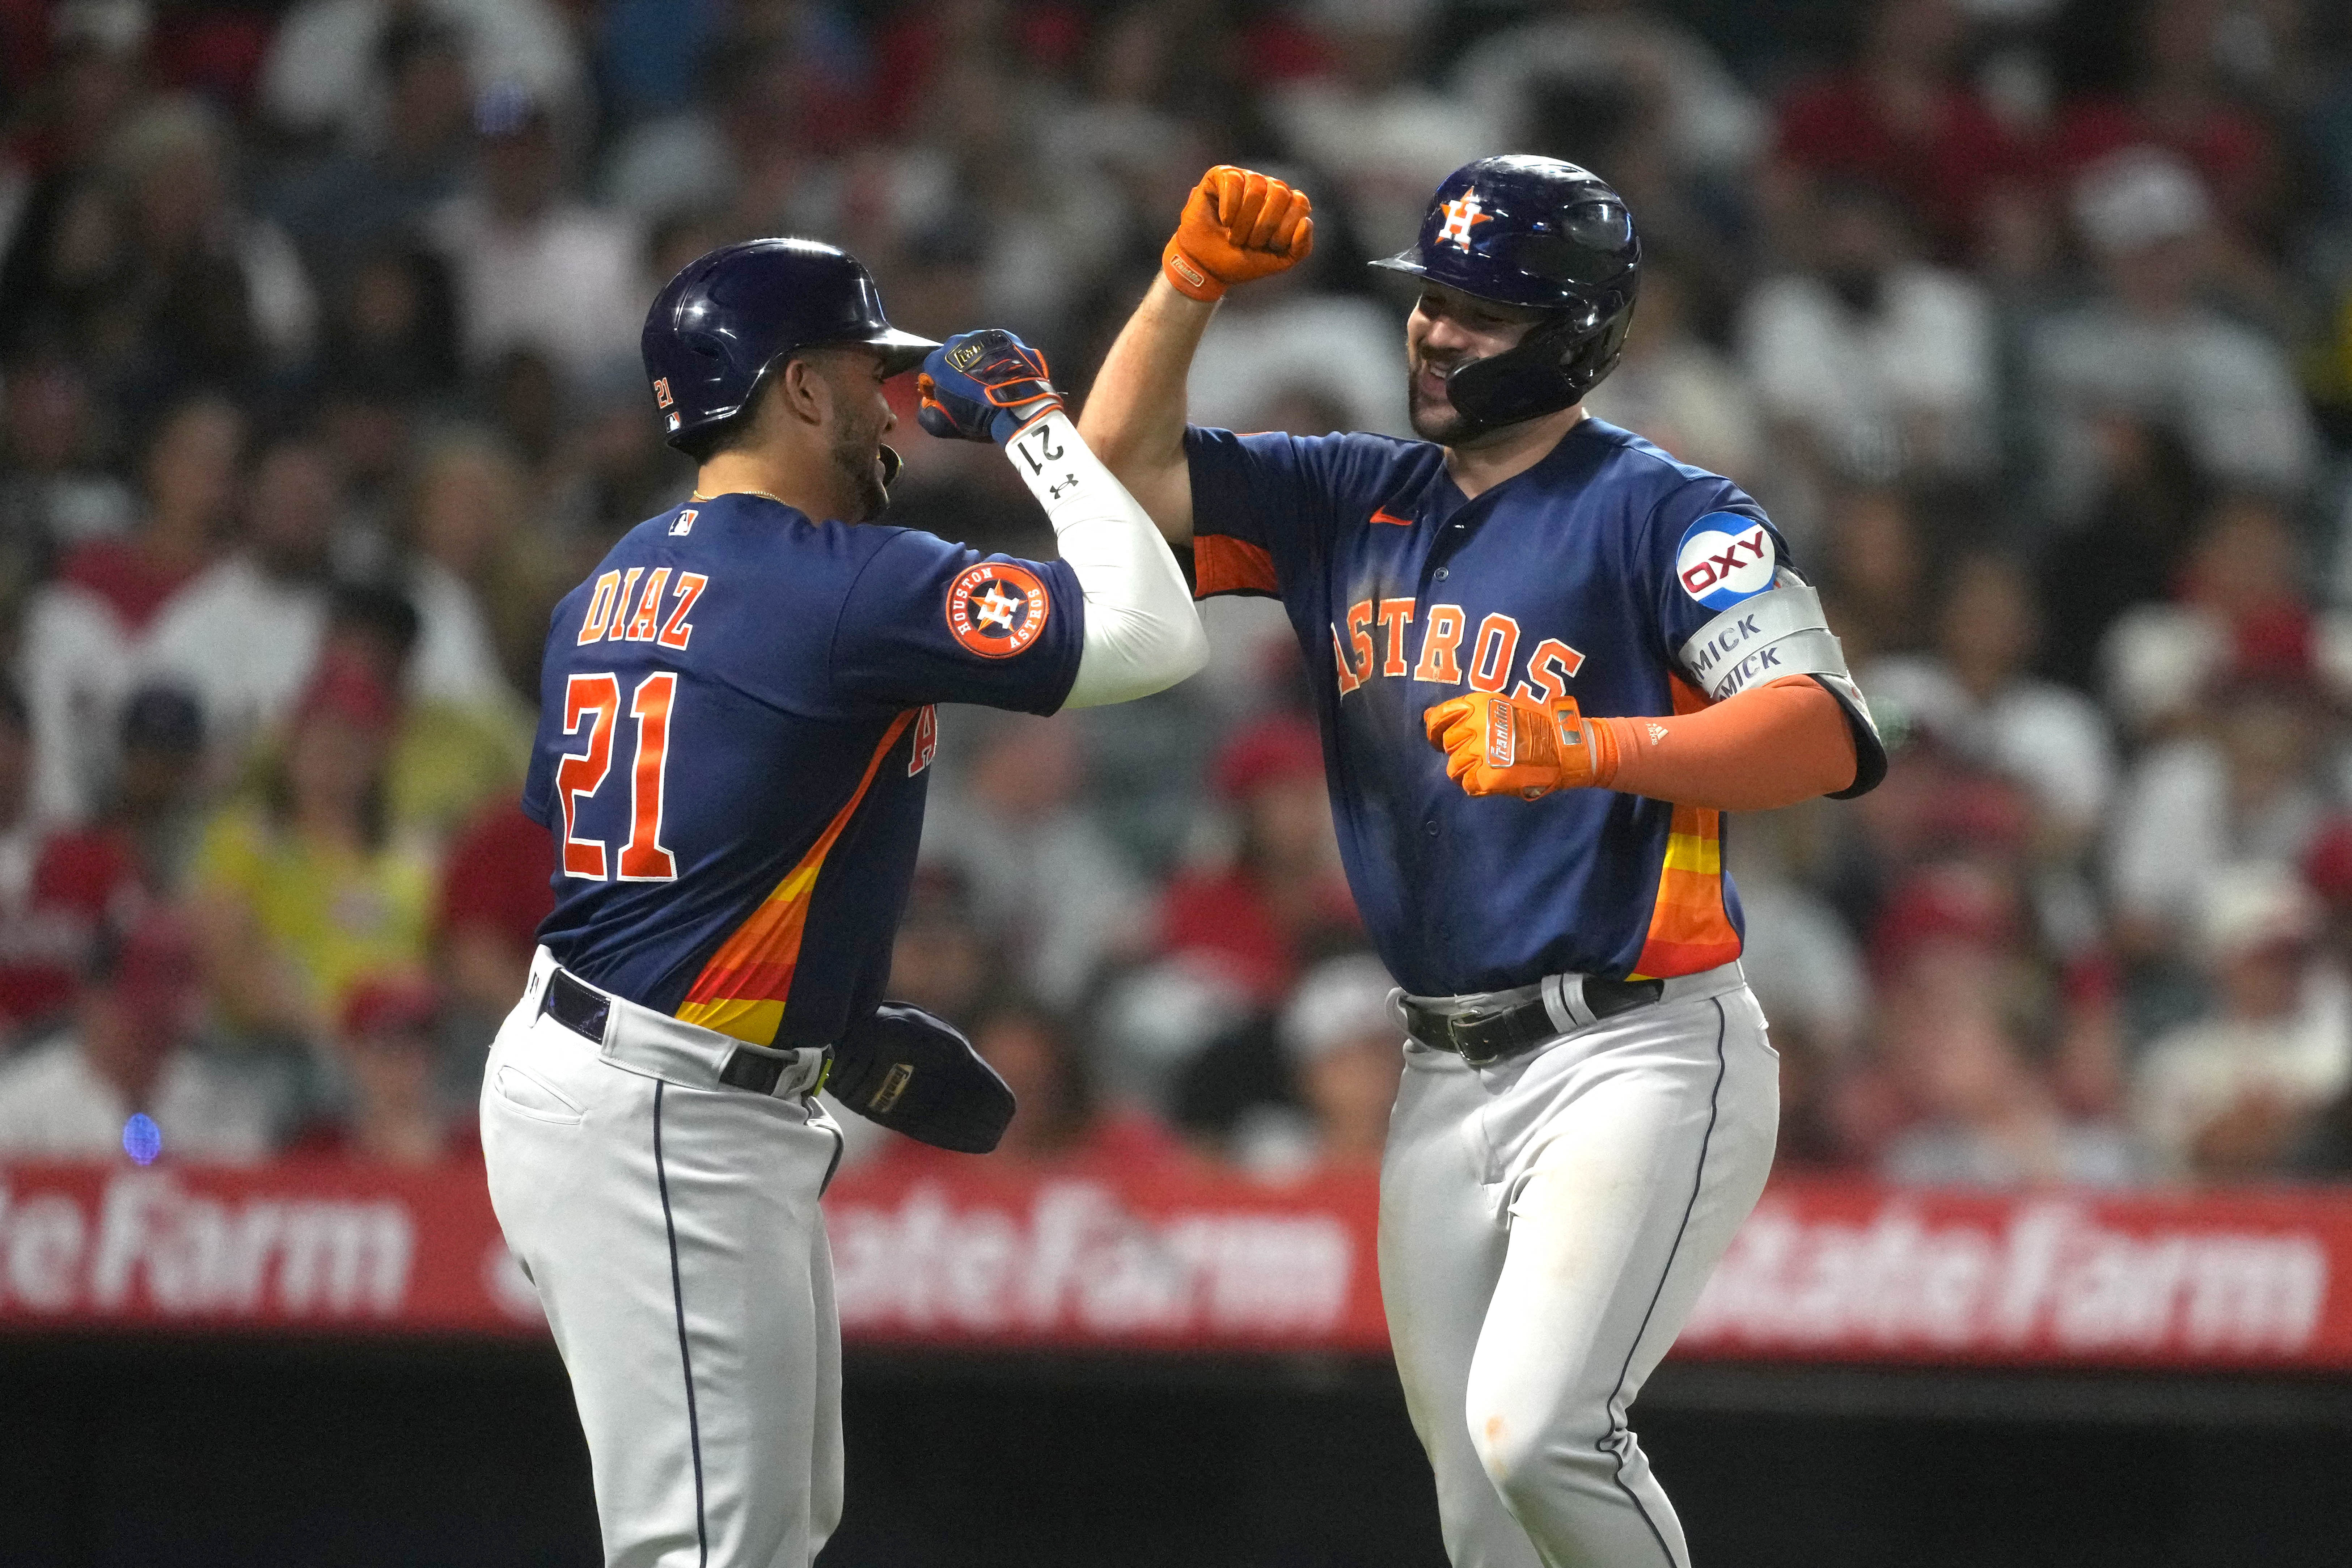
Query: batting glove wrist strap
{"points": [[1509, 745], [984, 386], [918, 1074]]}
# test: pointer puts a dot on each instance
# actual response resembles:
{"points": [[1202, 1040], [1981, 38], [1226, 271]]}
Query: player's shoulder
{"points": [[1655, 495], [1646, 472], [748, 537], [1340, 457]]}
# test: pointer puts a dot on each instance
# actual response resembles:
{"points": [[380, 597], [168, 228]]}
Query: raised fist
{"points": [[984, 386], [1237, 225]]}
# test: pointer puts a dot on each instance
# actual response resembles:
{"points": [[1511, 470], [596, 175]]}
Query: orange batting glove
{"points": [[1507, 745], [1237, 226]]}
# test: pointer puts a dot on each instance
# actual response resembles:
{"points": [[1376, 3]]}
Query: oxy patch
{"points": [[1725, 557]]}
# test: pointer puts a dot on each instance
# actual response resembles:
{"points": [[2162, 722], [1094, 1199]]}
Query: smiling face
{"points": [[1449, 328]]}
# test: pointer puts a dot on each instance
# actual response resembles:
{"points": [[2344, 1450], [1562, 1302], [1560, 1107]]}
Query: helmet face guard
{"points": [[1541, 235]]}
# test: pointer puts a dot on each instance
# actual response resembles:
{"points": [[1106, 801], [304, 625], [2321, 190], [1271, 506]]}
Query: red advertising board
{"points": [[993, 1256]]}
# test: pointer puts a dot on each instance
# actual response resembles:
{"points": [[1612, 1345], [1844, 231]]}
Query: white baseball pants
{"points": [[1546, 1224], [673, 1237]]}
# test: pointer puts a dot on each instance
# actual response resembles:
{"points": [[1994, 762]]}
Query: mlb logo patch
{"points": [[683, 525], [661, 392]]}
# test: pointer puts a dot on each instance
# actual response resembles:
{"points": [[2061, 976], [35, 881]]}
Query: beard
{"points": [[1434, 418], [1433, 415], [858, 456]]}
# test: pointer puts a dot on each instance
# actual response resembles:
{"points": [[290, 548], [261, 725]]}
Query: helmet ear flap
{"points": [[1558, 362]]}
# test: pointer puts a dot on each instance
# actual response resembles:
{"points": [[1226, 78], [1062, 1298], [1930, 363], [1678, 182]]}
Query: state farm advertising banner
{"points": [[971, 1255]]}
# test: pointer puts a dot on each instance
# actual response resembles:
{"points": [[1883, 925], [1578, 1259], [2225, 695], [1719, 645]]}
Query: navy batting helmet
{"points": [[1543, 235], [728, 318]]}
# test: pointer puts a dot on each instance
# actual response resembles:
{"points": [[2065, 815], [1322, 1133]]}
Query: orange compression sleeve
{"points": [[1771, 746]]}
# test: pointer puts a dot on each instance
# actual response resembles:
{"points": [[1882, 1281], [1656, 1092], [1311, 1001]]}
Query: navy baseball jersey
{"points": [[1586, 576], [734, 731]]}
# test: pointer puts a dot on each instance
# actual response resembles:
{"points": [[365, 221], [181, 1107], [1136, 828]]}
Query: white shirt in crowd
{"points": [[2052, 740], [2224, 390], [565, 286], [2175, 829], [1386, 149], [1055, 888], [321, 71], [1712, 125], [1855, 382], [76, 665], [243, 642], [2194, 1074], [52, 1105], [456, 659], [2159, 661], [1345, 349]]}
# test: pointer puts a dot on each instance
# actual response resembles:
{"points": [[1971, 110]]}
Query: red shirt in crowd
{"points": [[2231, 151], [1232, 917], [120, 572], [499, 877], [77, 878], [1946, 169]]}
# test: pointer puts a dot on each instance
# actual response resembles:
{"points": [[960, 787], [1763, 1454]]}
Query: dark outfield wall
{"points": [[136, 1455]]}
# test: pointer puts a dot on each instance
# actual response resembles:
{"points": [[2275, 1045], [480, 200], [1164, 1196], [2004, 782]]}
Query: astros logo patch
{"points": [[1724, 557], [997, 609], [1462, 215]]}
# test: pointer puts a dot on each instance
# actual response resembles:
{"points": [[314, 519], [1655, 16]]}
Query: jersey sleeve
{"points": [[1734, 611], [1264, 505], [927, 621]]}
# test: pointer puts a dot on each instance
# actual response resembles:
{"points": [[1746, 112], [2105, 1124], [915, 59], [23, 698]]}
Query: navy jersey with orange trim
{"points": [[734, 738], [1583, 576]]}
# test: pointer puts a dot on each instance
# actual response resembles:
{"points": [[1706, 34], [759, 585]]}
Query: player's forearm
{"points": [[1134, 417], [1769, 746], [1142, 633]]}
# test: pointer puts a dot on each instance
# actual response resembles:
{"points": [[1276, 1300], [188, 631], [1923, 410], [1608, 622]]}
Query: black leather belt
{"points": [[584, 1010], [1481, 1037]]}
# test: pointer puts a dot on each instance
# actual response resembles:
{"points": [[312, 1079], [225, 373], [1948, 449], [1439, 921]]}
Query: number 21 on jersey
{"points": [[594, 700]]}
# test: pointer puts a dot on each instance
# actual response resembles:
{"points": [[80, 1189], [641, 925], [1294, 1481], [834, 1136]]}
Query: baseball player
{"points": [[1550, 658], [734, 743]]}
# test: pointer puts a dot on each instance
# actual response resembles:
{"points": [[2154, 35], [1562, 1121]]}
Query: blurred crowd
{"points": [[2029, 321]]}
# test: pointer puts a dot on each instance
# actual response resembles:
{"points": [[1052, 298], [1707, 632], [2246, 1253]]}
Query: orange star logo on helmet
{"points": [[996, 608], [1462, 215]]}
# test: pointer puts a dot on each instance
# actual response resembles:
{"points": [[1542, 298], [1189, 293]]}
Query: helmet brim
{"points": [[1409, 263], [901, 351]]}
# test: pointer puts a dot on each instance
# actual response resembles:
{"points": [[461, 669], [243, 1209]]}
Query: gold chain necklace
{"points": [[763, 495]]}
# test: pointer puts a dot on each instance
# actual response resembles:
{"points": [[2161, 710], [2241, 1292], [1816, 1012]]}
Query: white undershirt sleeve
{"points": [[1142, 632]]}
